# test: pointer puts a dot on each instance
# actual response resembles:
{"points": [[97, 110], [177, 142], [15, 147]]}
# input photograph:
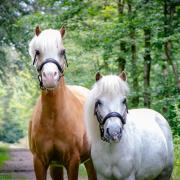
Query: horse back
{"points": [[79, 91]]}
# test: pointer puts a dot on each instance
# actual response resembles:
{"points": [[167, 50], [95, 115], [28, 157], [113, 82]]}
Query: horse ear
{"points": [[62, 31], [123, 76], [98, 76], [37, 30]]}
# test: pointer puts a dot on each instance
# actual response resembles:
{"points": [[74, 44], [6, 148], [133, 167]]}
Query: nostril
{"points": [[55, 73], [108, 131], [44, 74]]}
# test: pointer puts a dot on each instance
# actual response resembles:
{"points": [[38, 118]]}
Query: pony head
{"points": [[106, 108], [48, 54]]}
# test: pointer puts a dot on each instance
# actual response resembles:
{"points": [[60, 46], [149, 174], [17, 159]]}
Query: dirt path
{"points": [[20, 166]]}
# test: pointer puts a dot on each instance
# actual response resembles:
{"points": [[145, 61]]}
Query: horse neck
{"points": [[52, 101]]}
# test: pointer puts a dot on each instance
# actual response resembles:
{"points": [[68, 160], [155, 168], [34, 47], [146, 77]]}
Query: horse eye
{"points": [[124, 101], [62, 52], [98, 103], [37, 52]]}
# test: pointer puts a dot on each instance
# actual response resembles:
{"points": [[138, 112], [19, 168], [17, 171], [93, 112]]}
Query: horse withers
{"points": [[56, 131], [126, 144]]}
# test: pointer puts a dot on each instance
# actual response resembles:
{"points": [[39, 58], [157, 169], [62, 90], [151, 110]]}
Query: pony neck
{"points": [[53, 100]]}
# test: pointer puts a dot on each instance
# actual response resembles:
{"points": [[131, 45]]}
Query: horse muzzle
{"points": [[50, 75], [113, 134]]}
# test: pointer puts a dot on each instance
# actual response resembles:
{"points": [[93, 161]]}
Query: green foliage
{"points": [[11, 132], [94, 31]]}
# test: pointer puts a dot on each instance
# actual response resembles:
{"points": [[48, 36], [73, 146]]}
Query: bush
{"points": [[11, 132]]}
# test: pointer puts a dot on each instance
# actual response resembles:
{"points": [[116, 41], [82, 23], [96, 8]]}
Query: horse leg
{"points": [[73, 168], [56, 173], [39, 168], [90, 170]]}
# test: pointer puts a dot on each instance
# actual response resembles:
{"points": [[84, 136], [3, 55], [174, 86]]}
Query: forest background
{"points": [[141, 37]]}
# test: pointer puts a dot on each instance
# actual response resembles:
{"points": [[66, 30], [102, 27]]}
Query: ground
{"points": [[20, 165]]}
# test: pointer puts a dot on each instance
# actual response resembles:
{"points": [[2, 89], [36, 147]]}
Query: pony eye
{"points": [[62, 52], [98, 103], [124, 101], [37, 52]]}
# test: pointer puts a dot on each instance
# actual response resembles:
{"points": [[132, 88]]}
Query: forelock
{"points": [[111, 85]]}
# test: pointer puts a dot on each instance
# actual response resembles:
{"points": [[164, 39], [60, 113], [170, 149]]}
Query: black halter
{"points": [[102, 120], [49, 60]]}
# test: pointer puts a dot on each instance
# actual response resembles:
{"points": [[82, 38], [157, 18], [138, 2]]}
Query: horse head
{"points": [[110, 108], [48, 54]]}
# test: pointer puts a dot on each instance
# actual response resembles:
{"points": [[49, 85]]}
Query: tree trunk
{"points": [[121, 59], [147, 67], [168, 30], [134, 70]]}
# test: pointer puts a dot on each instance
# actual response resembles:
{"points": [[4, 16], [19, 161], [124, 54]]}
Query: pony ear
{"points": [[123, 76], [62, 31], [98, 76], [37, 30]]}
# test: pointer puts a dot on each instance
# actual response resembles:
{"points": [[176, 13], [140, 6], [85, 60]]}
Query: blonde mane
{"points": [[47, 40], [112, 86]]}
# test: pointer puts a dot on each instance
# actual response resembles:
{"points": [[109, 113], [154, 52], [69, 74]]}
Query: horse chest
{"points": [[112, 164], [51, 138]]}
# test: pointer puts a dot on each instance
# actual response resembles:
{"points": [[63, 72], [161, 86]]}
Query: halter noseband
{"points": [[102, 120], [49, 60]]}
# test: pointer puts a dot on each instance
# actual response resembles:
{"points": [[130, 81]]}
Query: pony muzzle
{"points": [[113, 133], [50, 75]]}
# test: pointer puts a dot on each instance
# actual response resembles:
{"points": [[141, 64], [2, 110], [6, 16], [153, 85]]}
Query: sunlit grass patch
{"points": [[4, 177], [176, 171], [11, 177], [82, 170], [4, 154]]}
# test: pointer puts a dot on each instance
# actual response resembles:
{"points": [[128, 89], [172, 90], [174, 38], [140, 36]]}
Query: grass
{"points": [[176, 171], [6, 177], [4, 154], [82, 171]]}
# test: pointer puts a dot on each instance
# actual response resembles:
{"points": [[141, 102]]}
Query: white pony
{"points": [[127, 145]]}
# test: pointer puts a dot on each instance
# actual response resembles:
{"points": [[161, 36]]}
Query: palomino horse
{"points": [[57, 131], [127, 145]]}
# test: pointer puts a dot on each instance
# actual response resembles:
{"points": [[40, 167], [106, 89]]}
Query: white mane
{"points": [[48, 41], [112, 86]]}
